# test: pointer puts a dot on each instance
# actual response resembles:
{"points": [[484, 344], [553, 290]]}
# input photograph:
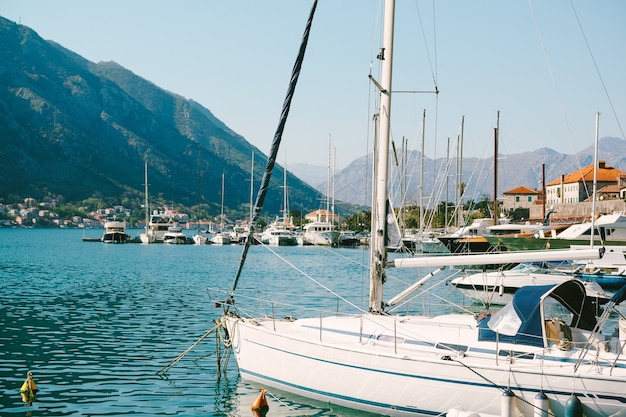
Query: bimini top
{"points": [[522, 321]]}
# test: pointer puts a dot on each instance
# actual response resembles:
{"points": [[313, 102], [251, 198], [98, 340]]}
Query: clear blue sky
{"points": [[235, 58]]}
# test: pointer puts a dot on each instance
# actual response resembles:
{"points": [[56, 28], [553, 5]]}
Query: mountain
{"points": [[352, 183], [311, 174], [78, 129]]}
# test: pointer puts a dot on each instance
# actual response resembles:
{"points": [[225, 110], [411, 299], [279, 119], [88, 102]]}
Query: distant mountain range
{"points": [[78, 129], [524, 169]]}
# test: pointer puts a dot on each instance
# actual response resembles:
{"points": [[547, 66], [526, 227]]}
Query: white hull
{"points": [[200, 239], [328, 238], [220, 239], [146, 238], [498, 287], [345, 365], [278, 237], [175, 240]]}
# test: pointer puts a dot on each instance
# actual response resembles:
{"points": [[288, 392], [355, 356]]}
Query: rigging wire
{"points": [[595, 64], [555, 86], [315, 281]]}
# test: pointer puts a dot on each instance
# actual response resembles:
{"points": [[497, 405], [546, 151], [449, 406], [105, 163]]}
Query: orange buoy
{"points": [[29, 385], [259, 406]]}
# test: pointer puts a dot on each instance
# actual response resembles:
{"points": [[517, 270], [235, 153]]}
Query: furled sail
{"points": [[271, 160]]}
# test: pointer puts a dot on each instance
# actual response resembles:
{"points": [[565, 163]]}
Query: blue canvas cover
{"points": [[526, 305]]}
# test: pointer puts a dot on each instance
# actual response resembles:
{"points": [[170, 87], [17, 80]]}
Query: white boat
{"points": [[277, 234], [522, 360], [115, 232], [220, 238], [321, 233], [175, 236], [200, 238], [280, 231], [146, 237], [609, 271], [498, 287], [158, 225]]}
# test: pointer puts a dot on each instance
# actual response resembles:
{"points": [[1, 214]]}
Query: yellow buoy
{"points": [[29, 385]]}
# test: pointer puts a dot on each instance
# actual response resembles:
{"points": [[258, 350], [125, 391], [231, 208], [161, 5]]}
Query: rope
{"points": [[189, 349], [494, 384]]}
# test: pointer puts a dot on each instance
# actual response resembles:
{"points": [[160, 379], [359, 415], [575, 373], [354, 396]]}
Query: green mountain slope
{"points": [[76, 128]]}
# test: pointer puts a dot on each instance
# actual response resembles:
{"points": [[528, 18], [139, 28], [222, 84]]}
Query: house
{"points": [[321, 216], [520, 197], [578, 186]]}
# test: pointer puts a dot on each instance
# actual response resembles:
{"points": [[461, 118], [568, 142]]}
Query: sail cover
{"points": [[522, 321]]}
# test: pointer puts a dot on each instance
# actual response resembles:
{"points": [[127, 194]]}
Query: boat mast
{"points": [[285, 208], [496, 132], [459, 175], [145, 182], [252, 187], [222, 214], [422, 176], [595, 180], [378, 252]]}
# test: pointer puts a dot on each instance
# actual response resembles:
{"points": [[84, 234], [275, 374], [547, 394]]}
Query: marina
{"points": [[94, 323], [398, 310]]}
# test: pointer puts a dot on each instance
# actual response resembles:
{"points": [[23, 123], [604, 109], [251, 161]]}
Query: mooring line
{"points": [[189, 349]]}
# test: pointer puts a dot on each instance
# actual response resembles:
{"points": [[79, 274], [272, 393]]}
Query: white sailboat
{"points": [[145, 237], [221, 237], [280, 231], [510, 363], [322, 231]]}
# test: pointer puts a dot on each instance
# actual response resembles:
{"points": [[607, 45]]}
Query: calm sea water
{"points": [[95, 322]]}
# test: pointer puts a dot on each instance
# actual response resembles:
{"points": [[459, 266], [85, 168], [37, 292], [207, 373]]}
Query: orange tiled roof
{"points": [[606, 173], [610, 189], [521, 190]]}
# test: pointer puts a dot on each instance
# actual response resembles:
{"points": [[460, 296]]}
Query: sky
{"points": [[546, 67]]}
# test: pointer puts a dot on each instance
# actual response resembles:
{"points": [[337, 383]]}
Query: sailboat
{"points": [[544, 352], [221, 237], [280, 232], [322, 231]]}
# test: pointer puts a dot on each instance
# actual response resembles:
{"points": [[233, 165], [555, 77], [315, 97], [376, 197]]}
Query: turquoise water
{"points": [[96, 322]]}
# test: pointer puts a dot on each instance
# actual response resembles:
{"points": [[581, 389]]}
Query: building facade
{"points": [[578, 186]]}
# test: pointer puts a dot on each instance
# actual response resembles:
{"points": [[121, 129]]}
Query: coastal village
{"points": [[569, 199], [570, 196]]}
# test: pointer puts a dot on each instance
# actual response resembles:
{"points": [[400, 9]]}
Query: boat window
{"points": [[389, 338], [451, 346], [554, 309], [516, 354]]}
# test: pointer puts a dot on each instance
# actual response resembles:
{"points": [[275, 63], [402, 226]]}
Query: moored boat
{"points": [[547, 341], [175, 236], [115, 232]]}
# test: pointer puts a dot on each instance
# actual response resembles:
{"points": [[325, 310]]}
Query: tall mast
{"points": [[332, 217], [378, 252], [422, 175], [496, 132], [222, 214], [459, 183], [285, 208], [595, 180], [328, 181], [145, 182], [252, 188]]}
